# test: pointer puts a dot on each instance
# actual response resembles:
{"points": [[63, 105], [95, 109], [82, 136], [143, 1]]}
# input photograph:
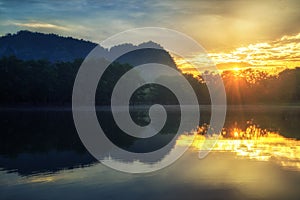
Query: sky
{"points": [[249, 32]]}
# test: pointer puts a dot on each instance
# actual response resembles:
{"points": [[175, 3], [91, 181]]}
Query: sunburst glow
{"points": [[271, 56], [236, 69]]}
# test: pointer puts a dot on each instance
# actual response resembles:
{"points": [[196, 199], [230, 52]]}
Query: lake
{"points": [[257, 156]]}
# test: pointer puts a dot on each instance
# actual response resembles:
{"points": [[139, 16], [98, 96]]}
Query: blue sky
{"points": [[215, 24]]}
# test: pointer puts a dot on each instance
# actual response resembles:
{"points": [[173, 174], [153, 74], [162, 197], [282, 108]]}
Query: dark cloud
{"points": [[216, 24]]}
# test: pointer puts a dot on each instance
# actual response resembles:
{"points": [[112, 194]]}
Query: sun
{"points": [[236, 69]]}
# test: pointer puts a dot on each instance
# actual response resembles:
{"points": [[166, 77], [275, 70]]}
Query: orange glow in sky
{"points": [[272, 56]]}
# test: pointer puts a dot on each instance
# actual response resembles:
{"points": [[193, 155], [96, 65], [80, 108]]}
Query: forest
{"points": [[40, 82]]}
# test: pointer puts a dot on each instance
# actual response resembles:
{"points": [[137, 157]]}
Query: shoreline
{"points": [[259, 107]]}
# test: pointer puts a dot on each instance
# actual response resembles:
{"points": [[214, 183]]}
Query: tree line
{"points": [[40, 82]]}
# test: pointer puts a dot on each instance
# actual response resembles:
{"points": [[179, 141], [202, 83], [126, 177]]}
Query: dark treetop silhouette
{"points": [[39, 69]]}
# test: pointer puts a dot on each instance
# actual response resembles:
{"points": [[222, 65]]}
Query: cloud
{"points": [[282, 52], [40, 25], [217, 25], [273, 56], [289, 38], [226, 24]]}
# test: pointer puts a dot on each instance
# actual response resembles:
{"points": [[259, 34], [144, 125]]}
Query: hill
{"points": [[38, 68], [26, 45]]}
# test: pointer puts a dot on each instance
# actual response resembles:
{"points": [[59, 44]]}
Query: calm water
{"points": [[42, 157]]}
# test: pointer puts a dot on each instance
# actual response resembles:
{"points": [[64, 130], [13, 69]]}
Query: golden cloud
{"points": [[40, 25], [272, 56], [283, 52]]}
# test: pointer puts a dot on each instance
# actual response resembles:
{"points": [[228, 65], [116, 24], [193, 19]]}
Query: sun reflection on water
{"points": [[250, 143]]}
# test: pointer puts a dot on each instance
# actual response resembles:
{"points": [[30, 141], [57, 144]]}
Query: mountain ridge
{"points": [[27, 45]]}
